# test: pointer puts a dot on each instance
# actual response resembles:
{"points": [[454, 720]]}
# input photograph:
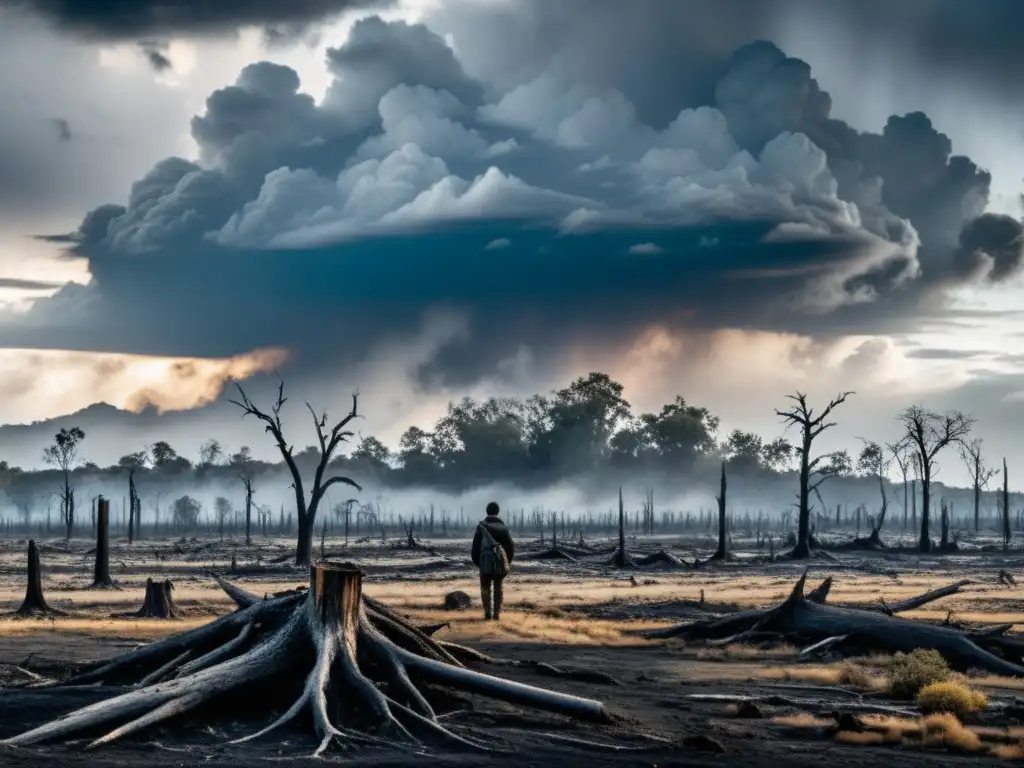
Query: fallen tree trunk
{"points": [[876, 630], [332, 635], [912, 603]]}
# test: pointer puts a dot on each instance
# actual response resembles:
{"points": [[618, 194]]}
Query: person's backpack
{"points": [[493, 560]]}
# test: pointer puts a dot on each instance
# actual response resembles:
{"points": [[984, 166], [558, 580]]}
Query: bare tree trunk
{"points": [[34, 603], [977, 507], [69, 507], [101, 573], [622, 532], [723, 545], [925, 542], [304, 543], [248, 513], [1006, 509]]}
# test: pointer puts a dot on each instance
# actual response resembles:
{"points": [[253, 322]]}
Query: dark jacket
{"points": [[499, 532]]}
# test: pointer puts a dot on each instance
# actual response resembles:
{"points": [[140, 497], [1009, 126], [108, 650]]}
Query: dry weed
{"points": [[866, 738], [945, 730], [953, 698]]}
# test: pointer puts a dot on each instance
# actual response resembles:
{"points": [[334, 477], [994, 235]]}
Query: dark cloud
{"points": [[991, 247], [27, 285], [332, 228], [62, 127], [938, 353], [116, 19], [156, 55]]}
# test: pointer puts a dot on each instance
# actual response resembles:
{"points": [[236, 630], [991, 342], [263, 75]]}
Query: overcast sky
{"points": [[725, 199]]}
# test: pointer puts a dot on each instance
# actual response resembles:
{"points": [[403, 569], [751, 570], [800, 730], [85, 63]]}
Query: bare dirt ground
{"points": [[579, 615]]}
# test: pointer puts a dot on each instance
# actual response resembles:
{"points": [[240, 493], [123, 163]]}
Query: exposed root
{"points": [[354, 644]]}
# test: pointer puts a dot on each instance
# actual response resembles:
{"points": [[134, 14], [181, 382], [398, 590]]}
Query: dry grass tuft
{"points": [[804, 720], [944, 730], [1009, 751], [142, 629], [910, 672], [740, 652], [849, 674], [954, 698], [867, 738]]}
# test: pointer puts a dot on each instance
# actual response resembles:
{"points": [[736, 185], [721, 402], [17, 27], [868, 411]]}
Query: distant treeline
{"points": [[586, 432]]}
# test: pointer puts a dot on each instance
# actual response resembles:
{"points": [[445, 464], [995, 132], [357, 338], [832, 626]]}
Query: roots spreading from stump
{"points": [[361, 662]]}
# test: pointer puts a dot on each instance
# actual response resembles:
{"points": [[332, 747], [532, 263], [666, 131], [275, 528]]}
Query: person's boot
{"points": [[485, 598]]}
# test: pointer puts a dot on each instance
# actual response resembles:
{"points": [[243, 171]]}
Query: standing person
{"points": [[493, 551]]}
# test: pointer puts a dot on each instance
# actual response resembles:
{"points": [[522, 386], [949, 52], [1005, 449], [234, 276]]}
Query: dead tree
{"points": [[722, 553], [621, 558], [134, 507], [157, 604], [1006, 509], [810, 426], [943, 526], [246, 479], [35, 603], [980, 474], [872, 461], [101, 572], [899, 455], [331, 646], [63, 454], [329, 440], [927, 433]]}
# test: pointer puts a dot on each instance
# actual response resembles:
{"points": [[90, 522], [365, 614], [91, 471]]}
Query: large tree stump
{"points": [[34, 603], [157, 604], [354, 654], [101, 571]]}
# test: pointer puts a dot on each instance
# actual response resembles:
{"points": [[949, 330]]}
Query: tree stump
{"points": [[35, 603], [157, 604], [101, 571], [354, 654]]}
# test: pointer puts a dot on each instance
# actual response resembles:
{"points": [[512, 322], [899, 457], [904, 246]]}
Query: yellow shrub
{"points": [[910, 672], [950, 697]]}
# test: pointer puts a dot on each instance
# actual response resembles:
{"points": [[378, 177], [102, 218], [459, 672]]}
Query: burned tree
{"points": [[980, 474], [722, 553], [63, 454], [101, 571], [621, 558], [1006, 509], [872, 463], [329, 440], [926, 434], [345, 657], [243, 462], [802, 416], [158, 602], [34, 603], [899, 455]]}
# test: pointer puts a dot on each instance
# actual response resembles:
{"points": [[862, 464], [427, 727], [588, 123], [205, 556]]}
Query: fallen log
{"points": [[800, 616], [912, 603]]}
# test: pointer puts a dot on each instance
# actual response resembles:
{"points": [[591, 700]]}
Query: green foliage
{"points": [[910, 672], [954, 698]]}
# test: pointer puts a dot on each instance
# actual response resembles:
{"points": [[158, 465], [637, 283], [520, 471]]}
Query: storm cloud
{"points": [[716, 192], [117, 20]]}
